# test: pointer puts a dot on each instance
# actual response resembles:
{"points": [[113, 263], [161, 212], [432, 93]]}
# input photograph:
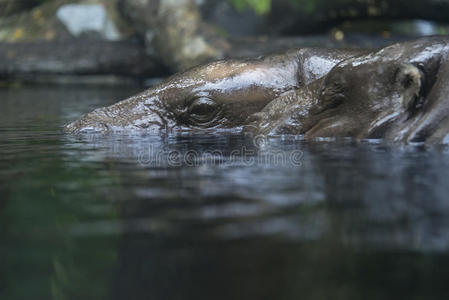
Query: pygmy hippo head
{"points": [[399, 93], [221, 94]]}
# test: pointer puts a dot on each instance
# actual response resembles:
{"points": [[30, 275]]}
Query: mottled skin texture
{"points": [[219, 95], [400, 93]]}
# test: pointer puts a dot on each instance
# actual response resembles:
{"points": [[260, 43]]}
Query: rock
{"points": [[63, 38], [66, 19], [88, 18], [43, 61], [36, 24], [175, 31]]}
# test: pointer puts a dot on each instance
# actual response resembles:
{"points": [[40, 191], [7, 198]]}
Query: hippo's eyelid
{"points": [[189, 100], [202, 104]]}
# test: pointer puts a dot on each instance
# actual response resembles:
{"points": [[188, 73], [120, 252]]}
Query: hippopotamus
{"points": [[218, 95], [397, 93]]}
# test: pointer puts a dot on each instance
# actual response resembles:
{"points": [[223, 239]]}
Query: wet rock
{"points": [[67, 19], [88, 18], [71, 38], [45, 61], [175, 31], [38, 23]]}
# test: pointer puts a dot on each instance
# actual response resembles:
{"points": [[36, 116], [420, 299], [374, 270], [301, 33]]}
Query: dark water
{"points": [[213, 216]]}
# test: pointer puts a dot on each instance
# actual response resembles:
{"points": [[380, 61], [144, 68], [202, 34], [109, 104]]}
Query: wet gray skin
{"points": [[218, 95], [400, 93]]}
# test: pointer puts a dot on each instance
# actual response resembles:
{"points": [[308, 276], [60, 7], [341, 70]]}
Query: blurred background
{"points": [[106, 217], [120, 41]]}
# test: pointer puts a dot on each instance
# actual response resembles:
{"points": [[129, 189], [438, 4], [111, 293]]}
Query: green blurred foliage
{"points": [[264, 6], [259, 6]]}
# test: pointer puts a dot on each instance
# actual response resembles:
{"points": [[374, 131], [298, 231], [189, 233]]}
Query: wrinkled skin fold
{"points": [[398, 93]]}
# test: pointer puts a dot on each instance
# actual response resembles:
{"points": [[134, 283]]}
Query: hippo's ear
{"points": [[408, 80]]}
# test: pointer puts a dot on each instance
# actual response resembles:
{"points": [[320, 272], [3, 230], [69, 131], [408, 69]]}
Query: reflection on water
{"points": [[215, 216]]}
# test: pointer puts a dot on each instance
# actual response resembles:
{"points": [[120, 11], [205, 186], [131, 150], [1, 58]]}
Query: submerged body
{"points": [[398, 93]]}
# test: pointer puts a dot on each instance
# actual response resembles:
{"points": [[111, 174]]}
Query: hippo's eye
{"points": [[202, 110]]}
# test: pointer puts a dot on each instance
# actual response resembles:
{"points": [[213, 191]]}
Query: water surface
{"points": [[214, 216]]}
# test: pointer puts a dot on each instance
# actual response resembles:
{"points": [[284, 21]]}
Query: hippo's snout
{"points": [[94, 122], [83, 127], [117, 119]]}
